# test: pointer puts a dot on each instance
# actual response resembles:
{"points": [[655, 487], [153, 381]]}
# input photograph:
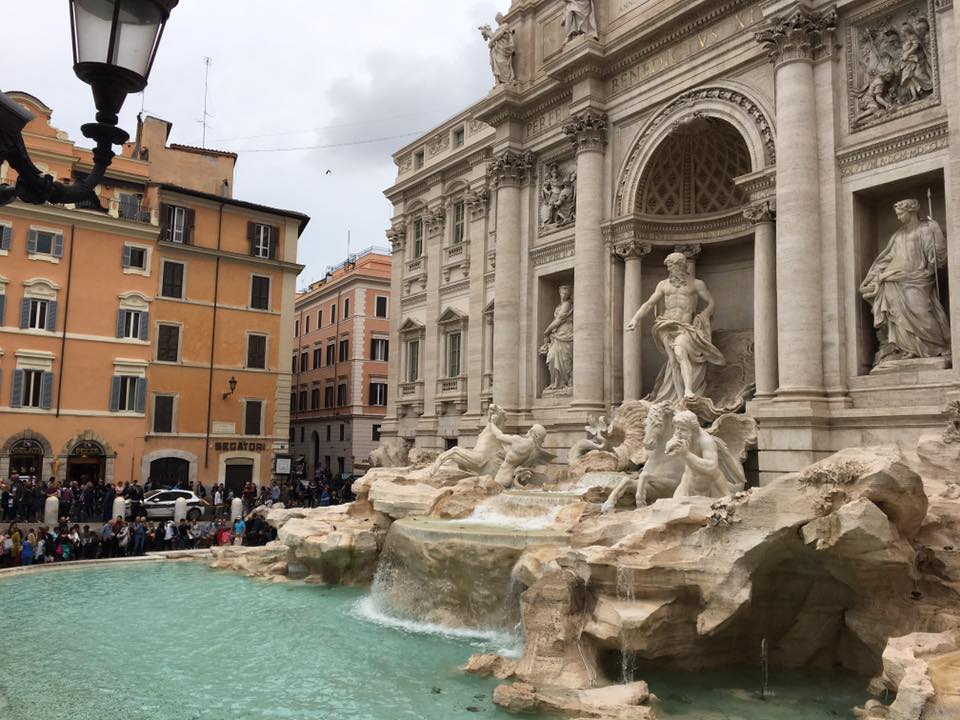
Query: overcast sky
{"points": [[284, 74]]}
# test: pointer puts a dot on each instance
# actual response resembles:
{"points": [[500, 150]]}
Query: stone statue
{"points": [[557, 346], [523, 453], [559, 195], [500, 42], [661, 472], [579, 18], [901, 287], [711, 468], [484, 458], [392, 452], [681, 333]]}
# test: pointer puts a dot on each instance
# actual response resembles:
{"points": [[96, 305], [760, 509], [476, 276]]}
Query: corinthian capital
{"points": [[587, 131], [761, 212], [800, 35], [632, 249], [511, 168], [397, 235]]}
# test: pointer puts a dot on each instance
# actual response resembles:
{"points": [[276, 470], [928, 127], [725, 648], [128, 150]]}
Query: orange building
{"points": [[121, 333], [339, 392]]}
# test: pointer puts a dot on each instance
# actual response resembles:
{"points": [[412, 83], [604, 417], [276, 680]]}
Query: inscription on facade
{"points": [[239, 446], [545, 121], [684, 49]]}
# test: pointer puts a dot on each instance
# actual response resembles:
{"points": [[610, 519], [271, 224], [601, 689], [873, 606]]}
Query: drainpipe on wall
{"points": [[66, 311], [213, 342]]}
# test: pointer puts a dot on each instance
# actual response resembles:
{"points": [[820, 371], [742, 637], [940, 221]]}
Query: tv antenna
{"points": [[206, 83]]}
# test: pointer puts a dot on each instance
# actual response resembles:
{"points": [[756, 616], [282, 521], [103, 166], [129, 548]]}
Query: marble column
{"points": [[764, 296], [632, 252], [588, 132], [508, 172], [793, 41], [397, 235]]}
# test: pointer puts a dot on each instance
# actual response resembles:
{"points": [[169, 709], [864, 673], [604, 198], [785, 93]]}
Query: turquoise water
{"points": [[173, 640]]}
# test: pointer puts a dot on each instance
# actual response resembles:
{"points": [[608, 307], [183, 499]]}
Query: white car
{"points": [[161, 504]]}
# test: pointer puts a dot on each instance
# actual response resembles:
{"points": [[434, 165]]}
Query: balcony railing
{"points": [[137, 212]]}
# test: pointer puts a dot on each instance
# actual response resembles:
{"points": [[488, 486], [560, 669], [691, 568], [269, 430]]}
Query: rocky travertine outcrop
{"points": [[271, 561], [614, 702], [406, 492], [490, 665]]}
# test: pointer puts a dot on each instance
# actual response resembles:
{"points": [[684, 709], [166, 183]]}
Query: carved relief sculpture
{"points": [[579, 18], [558, 196], [681, 333], [557, 347], [502, 50], [892, 60], [901, 287]]}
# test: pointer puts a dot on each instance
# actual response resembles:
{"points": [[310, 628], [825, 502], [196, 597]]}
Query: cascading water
{"points": [[520, 509], [625, 592]]}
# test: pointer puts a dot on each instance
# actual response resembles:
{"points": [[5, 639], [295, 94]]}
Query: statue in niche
{"points": [[502, 50], [901, 287], [681, 333], [579, 18], [895, 66], [557, 347], [559, 198], [523, 452], [484, 458]]}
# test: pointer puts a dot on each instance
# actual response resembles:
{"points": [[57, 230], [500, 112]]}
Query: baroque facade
{"points": [[767, 142], [150, 340]]}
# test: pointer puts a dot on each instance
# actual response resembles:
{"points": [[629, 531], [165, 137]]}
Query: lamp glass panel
{"points": [[139, 22], [93, 19]]}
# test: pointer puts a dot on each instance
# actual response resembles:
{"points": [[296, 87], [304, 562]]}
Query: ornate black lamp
{"points": [[114, 45], [232, 382]]}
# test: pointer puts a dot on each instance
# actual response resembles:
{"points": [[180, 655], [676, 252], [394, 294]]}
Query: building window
{"points": [[319, 319], [252, 413], [317, 357], [134, 257], [302, 431], [328, 439], [257, 352], [458, 222], [341, 394], [315, 398], [344, 350], [417, 238], [333, 313], [296, 328], [453, 355], [381, 307], [32, 389], [418, 160], [331, 354], [45, 242], [262, 240], [260, 292], [6, 238], [163, 413], [458, 136], [293, 402], [38, 314], [346, 308], [293, 364], [178, 224], [172, 282], [303, 402], [378, 394], [306, 325], [375, 435], [328, 400], [341, 466], [304, 361], [132, 324], [168, 343], [413, 360], [128, 393], [379, 349], [343, 434]]}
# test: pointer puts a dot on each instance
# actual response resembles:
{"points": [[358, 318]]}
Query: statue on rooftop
{"points": [[579, 18], [502, 50]]}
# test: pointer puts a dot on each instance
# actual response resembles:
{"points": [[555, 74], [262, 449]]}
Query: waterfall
{"points": [[764, 669], [520, 510], [628, 658]]}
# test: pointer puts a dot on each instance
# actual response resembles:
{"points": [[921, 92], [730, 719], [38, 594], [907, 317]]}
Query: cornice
{"points": [[894, 149], [86, 219]]}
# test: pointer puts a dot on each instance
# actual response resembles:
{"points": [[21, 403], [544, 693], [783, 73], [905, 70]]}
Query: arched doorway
{"points": [[86, 462], [168, 472], [26, 458], [237, 473]]}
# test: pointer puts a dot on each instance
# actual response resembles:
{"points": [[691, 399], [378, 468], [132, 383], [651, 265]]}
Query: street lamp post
{"points": [[114, 46]]}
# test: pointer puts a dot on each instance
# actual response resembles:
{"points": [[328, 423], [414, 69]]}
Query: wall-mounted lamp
{"points": [[232, 382]]}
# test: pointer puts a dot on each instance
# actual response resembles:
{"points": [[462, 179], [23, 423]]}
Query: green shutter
{"points": [[58, 245], [6, 237], [17, 391], [121, 321], [32, 241], [3, 306], [115, 393], [140, 402], [144, 326], [46, 391], [24, 313], [126, 256], [52, 315]]}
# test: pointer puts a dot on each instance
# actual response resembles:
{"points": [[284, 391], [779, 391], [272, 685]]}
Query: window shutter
{"points": [[144, 326], [52, 315], [17, 392], [46, 391], [115, 393], [121, 321], [373, 349], [371, 397], [188, 231], [126, 255], [58, 245], [3, 306], [24, 313], [164, 222], [386, 350], [32, 241], [6, 237], [274, 242], [252, 237], [140, 403]]}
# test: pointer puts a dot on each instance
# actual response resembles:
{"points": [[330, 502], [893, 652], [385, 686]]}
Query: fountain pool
{"points": [[168, 639]]}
